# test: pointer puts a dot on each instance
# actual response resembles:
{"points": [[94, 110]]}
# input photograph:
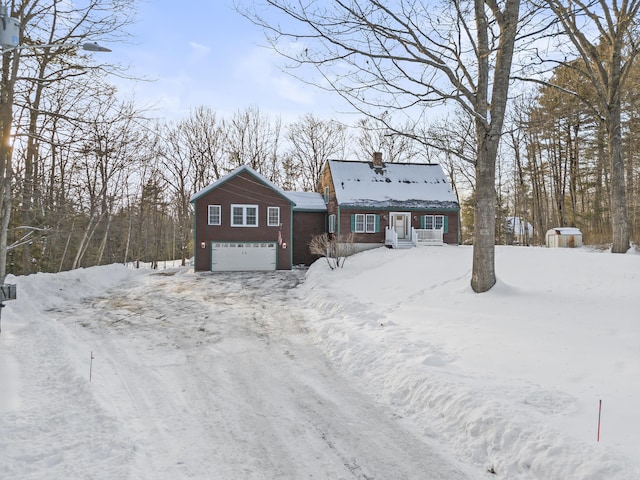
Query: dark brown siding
{"points": [[306, 225], [243, 189], [326, 180], [451, 237], [345, 226]]}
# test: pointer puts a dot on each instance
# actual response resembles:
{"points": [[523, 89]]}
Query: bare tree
{"points": [[253, 138], [312, 142], [105, 161], [42, 22], [408, 55], [374, 136], [191, 156]]}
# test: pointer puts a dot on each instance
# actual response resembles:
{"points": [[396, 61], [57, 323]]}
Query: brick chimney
{"points": [[377, 160]]}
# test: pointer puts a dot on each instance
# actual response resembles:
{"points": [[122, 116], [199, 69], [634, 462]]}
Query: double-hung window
{"points": [[435, 222], [215, 215], [244, 215], [273, 216], [370, 223], [332, 223], [365, 223], [428, 222]]}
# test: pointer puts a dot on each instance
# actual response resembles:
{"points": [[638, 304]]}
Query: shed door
{"points": [[246, 256]]}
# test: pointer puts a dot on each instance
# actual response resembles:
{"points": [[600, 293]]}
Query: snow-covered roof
{"points": [[519, 226], [302, 201], [401, 185], [309, 201]]}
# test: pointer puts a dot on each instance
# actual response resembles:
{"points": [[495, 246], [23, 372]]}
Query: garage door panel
{"points": [[243, 256]]}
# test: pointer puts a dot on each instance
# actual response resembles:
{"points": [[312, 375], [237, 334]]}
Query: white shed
{"points": [[564, 237]]}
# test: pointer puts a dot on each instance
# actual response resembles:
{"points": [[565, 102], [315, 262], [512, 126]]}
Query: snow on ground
{"points": [[192, 376], [377, 370], [510, 380]]}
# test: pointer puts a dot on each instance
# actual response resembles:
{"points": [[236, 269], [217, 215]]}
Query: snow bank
{"points": [[508, 380]]}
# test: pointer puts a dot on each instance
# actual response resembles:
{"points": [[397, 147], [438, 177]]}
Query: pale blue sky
{"points": [[206, 53]]}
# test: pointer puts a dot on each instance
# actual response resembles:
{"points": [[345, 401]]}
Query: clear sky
{"points": [[205, 53]]}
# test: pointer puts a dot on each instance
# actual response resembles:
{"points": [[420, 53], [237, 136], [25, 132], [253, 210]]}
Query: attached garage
{"points": [[243, 256], [244, 222]]}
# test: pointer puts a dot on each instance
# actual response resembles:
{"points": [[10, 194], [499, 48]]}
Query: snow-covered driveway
{"points": [[214, 377]]}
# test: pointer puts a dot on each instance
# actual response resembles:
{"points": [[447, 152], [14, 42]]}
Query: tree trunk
{"points": [[619, 225], [489, 121], [9, 69], [483, 275]]}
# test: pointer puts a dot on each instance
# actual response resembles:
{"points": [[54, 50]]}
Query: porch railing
{"points": [[429, 237], [390, 237]]}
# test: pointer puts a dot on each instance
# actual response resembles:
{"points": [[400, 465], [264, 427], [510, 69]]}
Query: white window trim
{"points": [[433, 219], [209, 214], [332, 223], [244, 215], [370, 216], [269, 223], [433, 222], [364, 222]]}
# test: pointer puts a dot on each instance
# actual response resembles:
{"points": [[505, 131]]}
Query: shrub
{"points": [[335, 248]]}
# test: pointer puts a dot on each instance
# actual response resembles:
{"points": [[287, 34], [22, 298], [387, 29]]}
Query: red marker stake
{"points": [[599, 416]]}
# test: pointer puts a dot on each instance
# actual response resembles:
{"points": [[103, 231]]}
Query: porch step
{"points": [[405, 244]]}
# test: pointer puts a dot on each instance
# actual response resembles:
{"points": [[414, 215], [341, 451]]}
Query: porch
{"points": [[416, 237]]}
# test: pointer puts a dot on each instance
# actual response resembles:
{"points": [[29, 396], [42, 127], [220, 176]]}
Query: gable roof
{"points": [[301, 201], [394, 185]]}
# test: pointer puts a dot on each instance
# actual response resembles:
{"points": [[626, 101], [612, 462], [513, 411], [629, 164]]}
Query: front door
{"points": [[401, 223]]}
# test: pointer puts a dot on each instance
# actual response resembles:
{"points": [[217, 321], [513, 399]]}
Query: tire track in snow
{"points": [[215, 378]]}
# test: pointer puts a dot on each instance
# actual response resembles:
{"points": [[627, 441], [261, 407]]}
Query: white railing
{"points": [[390, 237], [429, 237]]}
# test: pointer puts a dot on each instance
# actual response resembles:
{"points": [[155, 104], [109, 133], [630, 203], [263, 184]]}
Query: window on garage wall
{"points": [[244, 215], [273, 216], [215, 215]]}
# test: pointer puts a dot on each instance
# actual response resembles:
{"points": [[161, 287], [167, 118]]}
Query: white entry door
{"points": [[243, 256], [401, 225]]}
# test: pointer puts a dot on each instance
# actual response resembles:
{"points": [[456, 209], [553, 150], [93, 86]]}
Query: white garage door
{"points": [[247, 256]]}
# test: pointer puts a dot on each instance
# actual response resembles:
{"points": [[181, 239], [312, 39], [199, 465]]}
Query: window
{"points": [[244, 215], [214, 215], [435, 222], [326, 194], [371, 223], [365, 223], [332, 223], [273, 216], [428, 222]]}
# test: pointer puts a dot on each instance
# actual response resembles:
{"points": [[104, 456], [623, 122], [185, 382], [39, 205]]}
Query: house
{"points": [[243, 221], [519, 231], [393, 204], [563, 237]]}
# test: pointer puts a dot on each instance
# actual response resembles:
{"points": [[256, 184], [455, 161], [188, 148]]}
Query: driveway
{"points": [[213, 376]]}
